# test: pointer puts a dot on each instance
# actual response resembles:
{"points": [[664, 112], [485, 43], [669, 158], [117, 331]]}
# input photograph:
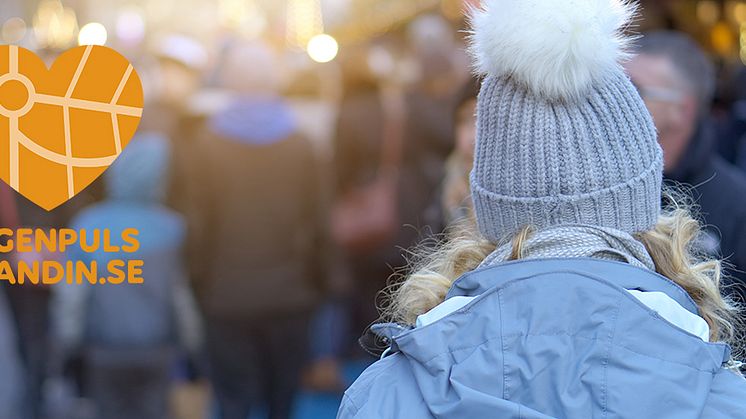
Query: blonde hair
{"points": [[671, 244]]}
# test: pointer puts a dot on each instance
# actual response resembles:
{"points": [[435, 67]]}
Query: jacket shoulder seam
{"points": [[506, 378], [370, 378], [607, 356], [348, 399], [681, 364]]}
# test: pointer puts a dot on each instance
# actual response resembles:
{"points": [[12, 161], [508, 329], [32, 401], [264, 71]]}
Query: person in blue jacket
{"points": [[572, 294], [130, 336]]}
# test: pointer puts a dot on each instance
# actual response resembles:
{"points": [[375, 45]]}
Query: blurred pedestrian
{"points": [[130, 335], [677, 82], [175, 80], [731, 124], [177, 75], [579, 296], [456, 199], [29, 303], [257, 263], [367, 216], [394, 134], [11, 368], [312, 95]]}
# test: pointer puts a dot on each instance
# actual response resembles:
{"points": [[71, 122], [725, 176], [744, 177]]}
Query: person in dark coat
{"points": [[11, 369], [361, 145], [29, 303], [677, 82], [257, 254]]}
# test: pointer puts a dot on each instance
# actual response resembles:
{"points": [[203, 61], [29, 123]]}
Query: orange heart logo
{"points": [[61, 128]]}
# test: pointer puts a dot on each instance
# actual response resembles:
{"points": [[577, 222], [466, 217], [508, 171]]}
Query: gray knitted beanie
{"points": [[563, 137]]}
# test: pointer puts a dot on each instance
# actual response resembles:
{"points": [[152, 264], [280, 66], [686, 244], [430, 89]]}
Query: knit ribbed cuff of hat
{"points": [[499, 217]]}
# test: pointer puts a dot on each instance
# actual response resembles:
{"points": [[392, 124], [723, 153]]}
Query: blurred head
{"points": [[181, 63], [250, 68], [430, 32], [140, 172], [362, 67], [677, 82], [432, 42], [466, 119]]}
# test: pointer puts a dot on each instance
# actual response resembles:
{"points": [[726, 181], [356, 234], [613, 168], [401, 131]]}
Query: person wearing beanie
{"points": [[574, 295]]}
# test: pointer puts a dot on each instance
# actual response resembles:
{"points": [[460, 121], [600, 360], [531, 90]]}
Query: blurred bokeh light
{"points": [[323, 48], [92, 33]]}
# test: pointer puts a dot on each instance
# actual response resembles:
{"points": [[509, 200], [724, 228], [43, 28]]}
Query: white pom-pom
{"points": [[557, 48]]}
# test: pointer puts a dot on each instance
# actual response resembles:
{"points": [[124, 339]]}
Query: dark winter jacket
{"points": [[719, 190], [257, 190]]}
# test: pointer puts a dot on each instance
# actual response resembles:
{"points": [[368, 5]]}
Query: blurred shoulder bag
{"points": [[368, 215]]}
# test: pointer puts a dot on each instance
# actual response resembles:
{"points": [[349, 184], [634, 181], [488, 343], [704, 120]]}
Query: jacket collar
{"points": [[621, 274], [381, 338]]}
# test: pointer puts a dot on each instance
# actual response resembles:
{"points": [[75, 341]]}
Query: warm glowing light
{"points": [[242, 16], [722, 38], [304, 21], [739, 12], [743, 43], [708, 12], [92, 34], [54, 25], [323, 48]]}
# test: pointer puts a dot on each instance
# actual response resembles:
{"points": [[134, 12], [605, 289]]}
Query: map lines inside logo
{"points": [[27, 94]]}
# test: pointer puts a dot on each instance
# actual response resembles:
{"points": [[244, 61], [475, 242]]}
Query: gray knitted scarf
{"points": [[578, 241]]}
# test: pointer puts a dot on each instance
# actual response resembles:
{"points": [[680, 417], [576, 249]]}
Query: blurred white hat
{"points": [[250, 67], [184, 50]]}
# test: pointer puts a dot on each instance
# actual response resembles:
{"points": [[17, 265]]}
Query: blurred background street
{"points": [[290, 152]]}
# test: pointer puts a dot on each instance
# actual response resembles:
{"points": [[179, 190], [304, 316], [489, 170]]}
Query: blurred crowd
{"points": [[274, 206]]}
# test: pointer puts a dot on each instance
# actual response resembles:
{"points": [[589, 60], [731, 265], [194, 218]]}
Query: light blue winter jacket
{"points": [[551, 339]]}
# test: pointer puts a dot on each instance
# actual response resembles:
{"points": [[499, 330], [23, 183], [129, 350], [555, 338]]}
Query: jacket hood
{"points": [[255, 120], [140, 173], [549, 339]]}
